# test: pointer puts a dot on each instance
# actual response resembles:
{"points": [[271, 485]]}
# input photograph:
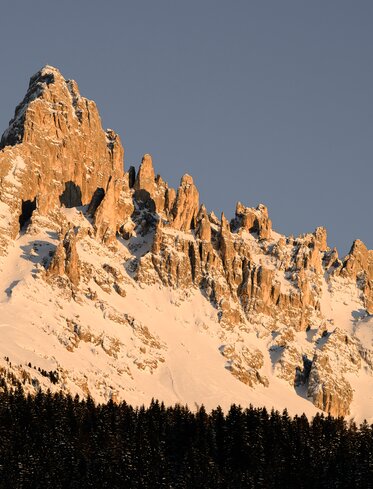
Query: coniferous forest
{"points": [[54, 440]]}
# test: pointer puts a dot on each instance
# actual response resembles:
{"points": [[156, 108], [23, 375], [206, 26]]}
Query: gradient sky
{"points": [[260, 101]]}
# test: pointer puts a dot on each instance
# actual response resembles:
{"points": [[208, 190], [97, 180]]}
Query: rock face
{"points": [[203, 225], [114, 210], [274, 298], [186, 206], [223, 263], [145, 179], [328, 387], [151, 190], [65, 261], [254, 220], [358, 265], [54, 152], [245, 365]]}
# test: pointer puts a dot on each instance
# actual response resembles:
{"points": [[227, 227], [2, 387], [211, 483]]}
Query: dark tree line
{"points": [[56, 441]]}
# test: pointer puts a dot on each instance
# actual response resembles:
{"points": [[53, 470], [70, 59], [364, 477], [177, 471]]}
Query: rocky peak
{"points": [[321, 238], [226, 242], [254, 220], [186, 205], [38, 89], [358, 265], [55, 151], [358, 260], [203, 225], [145, 179], [153, 190]]}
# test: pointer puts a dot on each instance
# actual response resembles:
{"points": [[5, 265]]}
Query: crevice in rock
{"points": [[96, 200], [71, 196], [192, 259], [28, 207]]}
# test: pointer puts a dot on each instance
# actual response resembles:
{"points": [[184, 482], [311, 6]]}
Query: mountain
{"points": [[117, 286]]}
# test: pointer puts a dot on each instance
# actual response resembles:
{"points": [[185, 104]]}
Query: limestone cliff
{"points": [[54, 153]]}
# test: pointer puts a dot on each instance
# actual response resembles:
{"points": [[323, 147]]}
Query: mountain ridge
{"points": [[280, 316]]}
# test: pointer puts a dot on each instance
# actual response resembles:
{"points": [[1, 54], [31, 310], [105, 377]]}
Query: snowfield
{"points": [[156, 342]]}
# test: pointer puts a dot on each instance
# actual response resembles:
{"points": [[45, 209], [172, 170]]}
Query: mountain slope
{"points": [[117, 286]]}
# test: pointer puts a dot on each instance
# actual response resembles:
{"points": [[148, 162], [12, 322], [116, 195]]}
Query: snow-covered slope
{"points": [[154, 342]]}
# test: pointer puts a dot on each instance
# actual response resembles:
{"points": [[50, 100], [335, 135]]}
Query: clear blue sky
{"points": [[261, 101]]}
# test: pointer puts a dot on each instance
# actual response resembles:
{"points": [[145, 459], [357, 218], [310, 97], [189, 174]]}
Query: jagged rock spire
{"points": [[186, 206], [203, 225], [358, 265], [145, 179], [254, 220]]}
